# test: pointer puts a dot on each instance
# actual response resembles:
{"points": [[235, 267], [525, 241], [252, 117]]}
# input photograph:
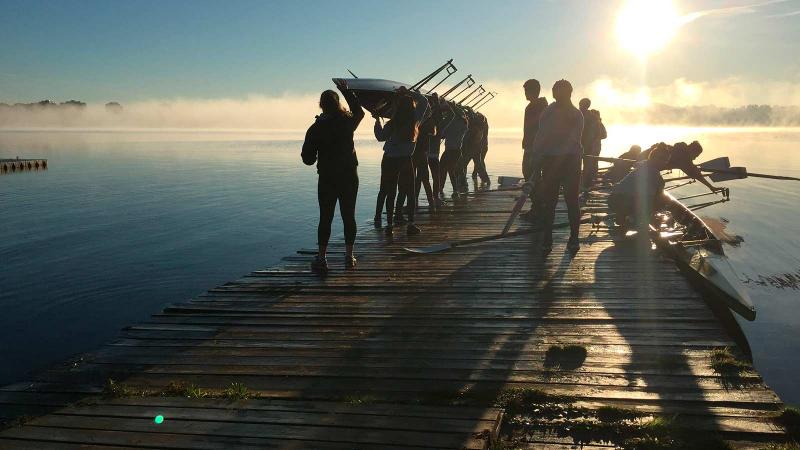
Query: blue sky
{"points": [[136, 50]]}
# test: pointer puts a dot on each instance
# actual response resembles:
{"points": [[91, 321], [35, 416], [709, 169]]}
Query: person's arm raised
{"points": [[352, 103]]}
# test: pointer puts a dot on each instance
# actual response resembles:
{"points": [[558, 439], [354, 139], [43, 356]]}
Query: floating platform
{"points": [[21, 165], [405, 351]]}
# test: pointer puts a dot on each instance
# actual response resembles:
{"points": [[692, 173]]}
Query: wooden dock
{"points": [[406, 351], [21, 165]]}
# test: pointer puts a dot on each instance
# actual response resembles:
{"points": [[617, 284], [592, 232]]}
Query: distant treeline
{"points": [[48, 105], [750, 115]]}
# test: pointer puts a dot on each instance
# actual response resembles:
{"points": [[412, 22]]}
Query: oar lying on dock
{"points": [[436, 248]]}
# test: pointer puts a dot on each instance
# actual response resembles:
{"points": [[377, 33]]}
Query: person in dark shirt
{"points": [[532, 173], [557, 148], [329, 143], [682, 156], [593, 134], [533, 112], [634, 199]]}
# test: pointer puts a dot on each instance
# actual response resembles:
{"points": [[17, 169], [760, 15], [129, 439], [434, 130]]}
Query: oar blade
{"points": [[717, 163], [732, 173], [436, 248]]}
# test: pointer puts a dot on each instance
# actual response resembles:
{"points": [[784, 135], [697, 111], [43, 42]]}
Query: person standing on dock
{"points": [[399, 136], [479, 161], [427, 133], [557, 147], [533, 112], [453, 142], [593, 134], [329, 143]]}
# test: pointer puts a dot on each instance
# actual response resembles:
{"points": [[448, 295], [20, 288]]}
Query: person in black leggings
{"points": [[399, 136], [329, 143]]}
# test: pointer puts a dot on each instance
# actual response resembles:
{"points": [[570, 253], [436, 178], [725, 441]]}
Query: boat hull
{"points": [[375, 95], [700, 255]]}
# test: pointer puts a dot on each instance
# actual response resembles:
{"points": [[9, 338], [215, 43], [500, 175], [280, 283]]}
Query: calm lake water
{"points": [[124, 223]]}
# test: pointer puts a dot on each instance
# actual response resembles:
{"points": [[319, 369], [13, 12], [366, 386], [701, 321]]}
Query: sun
{"points": [[645, 27]]}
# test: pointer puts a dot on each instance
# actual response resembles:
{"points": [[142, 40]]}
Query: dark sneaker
{"points": [[573, 245], [319, 264], [378, 223], [350, 261], [412, 229], [388, 228]]}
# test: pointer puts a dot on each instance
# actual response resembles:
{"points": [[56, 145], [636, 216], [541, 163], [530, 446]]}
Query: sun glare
{"points": [[646, 26]]}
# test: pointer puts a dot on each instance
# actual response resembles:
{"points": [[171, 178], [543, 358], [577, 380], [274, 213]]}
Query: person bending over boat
{"points": [[453, 141], [634, 199], [531, 173], [557, 147], [399, 136], [329, 143], [621, 168], [682, 156]]}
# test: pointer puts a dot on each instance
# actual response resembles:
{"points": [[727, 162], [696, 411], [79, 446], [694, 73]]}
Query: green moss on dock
{"points": [[723, 362], [530, 413]]}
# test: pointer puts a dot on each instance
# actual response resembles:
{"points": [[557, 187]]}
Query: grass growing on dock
{"points": [[237, 391], [115, 389], [530, 413], [184, 389], [723, 362]]}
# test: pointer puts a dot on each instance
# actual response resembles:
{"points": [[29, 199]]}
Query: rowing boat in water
{"points": [[680, 233]]}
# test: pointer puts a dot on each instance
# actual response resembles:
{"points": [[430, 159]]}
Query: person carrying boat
{"points": [[427, 133], [634, 199], [329, 143], [399, 136], [470, 149], [621, 168], [557, 147], [533, 112], [479, 162], [682, 156], [453, 142]]}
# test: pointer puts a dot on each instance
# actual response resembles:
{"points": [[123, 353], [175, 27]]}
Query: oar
{"points": [[739, 171], [732, 173], [444, 246], [526, 192]]}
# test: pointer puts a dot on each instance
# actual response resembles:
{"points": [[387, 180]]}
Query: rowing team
{"points": [[412, 139], [557, 135]]}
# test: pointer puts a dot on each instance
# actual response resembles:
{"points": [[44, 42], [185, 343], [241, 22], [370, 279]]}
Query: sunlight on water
{"points": [[123, 223]]}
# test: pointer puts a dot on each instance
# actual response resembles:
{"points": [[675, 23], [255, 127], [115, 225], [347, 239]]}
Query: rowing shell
{"points": [[375, 95], [690, 242]]}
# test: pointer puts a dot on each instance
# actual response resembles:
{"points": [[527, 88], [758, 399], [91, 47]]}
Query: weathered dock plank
{"points": [[355, 355]]}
